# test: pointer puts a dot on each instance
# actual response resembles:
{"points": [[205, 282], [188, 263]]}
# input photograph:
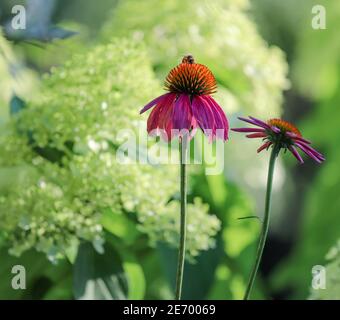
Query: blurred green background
{"points": [[85, 227]]}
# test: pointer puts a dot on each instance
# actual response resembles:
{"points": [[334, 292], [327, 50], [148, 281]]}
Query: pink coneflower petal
{"points": [[217, 118], [260, 122], [315, 158], [264, 146], [255, 123], [203, 115], [167, 133], [296, 137], [221, 120], [194, 124], [310, 149], [248, 120], [318, 157], [248, 130], [182, 113], [256, 135], [162, 113], [276, 129], [295, 153], [152, 123], [310, 154], [154, 102]]}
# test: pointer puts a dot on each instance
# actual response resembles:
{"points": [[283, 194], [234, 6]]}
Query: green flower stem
{"points": [[265, 225], [181, 250]]}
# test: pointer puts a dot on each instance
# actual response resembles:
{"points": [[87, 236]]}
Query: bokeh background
{"points": [[84, 227]]}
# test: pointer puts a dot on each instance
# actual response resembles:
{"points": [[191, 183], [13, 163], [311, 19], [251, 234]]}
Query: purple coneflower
{"points": [[281, 133], [188, 104], [277, 134]]}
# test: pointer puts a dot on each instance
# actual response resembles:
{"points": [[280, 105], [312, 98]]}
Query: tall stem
{"points": [[265, 225], [183, 188]]}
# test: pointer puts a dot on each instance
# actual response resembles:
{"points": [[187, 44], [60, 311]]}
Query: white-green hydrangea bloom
{"points": [[218, 34], [196, 231], [62, 149]]}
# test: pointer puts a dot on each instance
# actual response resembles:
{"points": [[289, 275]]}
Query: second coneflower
{"points": [[188, 105], [278, 135]]}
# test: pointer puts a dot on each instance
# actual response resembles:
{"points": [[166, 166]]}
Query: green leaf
{"points": [[61, 290], [60, 281], [198, 276], [72, 250], [136, 281], [119, 225], [133, 270], [135, 277], [99, 276]]}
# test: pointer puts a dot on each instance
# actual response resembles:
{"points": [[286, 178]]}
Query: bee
{"points": [[188, 59]]}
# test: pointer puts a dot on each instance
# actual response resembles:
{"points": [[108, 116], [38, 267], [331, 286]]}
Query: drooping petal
{"points": [[260, 122], [194, 126], [247, 130], [308, 153], [275, 129], [221, 121], [166, 132], [204, 116], [152, 122], [295, 153], [254, 122], [168, 111], [296, 137], [182, 115], [310, 149], [264, 146], [318, 158], [160, 119], [257, 135], [154, 102]]}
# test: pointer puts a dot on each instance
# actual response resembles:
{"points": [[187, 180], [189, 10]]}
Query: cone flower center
{"points": [[191, 78], [284, 126]]}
